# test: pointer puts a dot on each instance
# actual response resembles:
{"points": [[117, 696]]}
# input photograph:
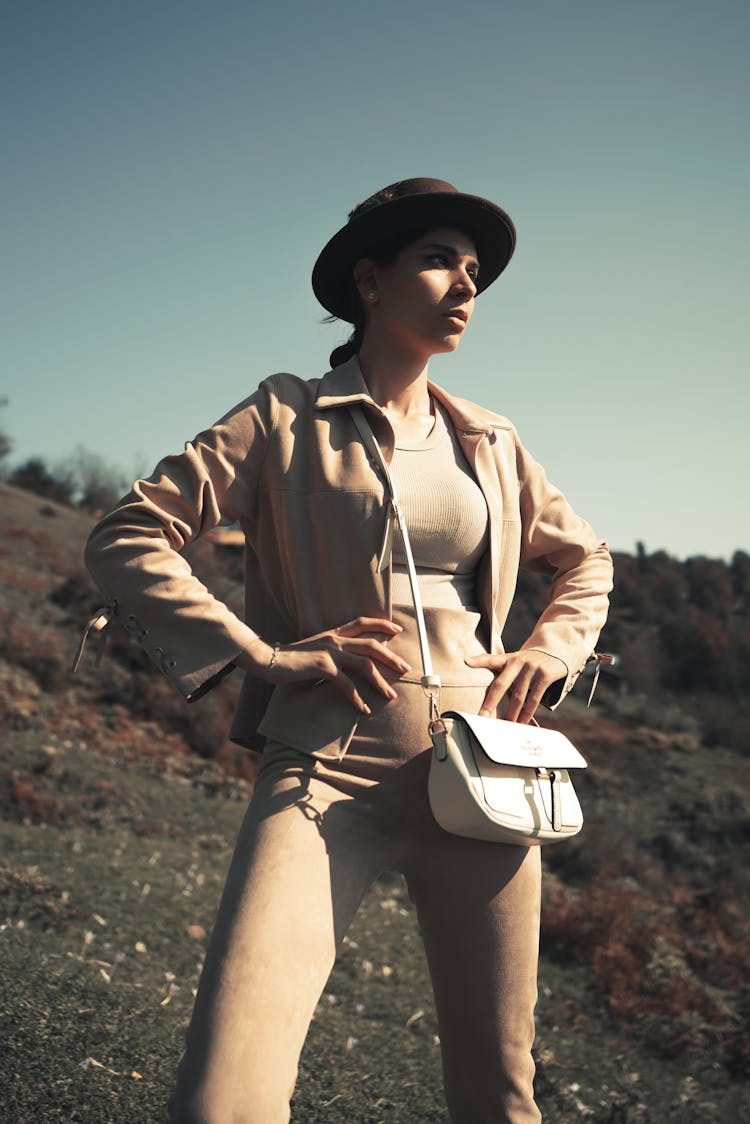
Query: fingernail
{"points": [[405, 666], [484, 713], [366, 709]]}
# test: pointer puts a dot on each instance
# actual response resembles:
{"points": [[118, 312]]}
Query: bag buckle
{"points": [[553, 776]]}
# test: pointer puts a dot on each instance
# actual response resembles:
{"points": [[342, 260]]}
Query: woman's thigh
{"points": [[303, 860], [478, 906]]}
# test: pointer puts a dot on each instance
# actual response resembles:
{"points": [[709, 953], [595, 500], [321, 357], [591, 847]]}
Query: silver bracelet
{"points": [[274, 655]]}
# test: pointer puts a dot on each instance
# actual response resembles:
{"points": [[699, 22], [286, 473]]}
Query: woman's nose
{"points": [[464, 282]]}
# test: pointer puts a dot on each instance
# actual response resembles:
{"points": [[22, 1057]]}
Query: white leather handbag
{"points": [[496, 780], [489, 779]]}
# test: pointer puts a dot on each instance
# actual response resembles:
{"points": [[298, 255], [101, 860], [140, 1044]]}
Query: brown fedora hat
{"points": [[395, 211]]}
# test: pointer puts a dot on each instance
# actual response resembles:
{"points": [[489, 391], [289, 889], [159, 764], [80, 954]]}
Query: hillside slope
{"points": [[119, 805]]}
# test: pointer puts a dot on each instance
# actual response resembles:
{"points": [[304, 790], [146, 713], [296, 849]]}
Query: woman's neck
{"points": [[397, 382]]}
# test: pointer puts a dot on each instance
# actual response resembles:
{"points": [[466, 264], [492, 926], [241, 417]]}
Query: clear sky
{"points": [[170, 170]]}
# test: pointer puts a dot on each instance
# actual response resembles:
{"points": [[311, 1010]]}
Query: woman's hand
{"points": [[335, 655], [523, 676]]}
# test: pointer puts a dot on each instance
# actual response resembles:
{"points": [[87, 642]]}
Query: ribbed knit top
{"points": [[446, 515], [448, 523]]}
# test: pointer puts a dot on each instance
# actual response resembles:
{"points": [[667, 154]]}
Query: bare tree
{"points": [[96, 485]]}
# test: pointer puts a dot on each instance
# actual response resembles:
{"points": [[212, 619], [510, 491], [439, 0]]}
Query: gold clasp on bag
{"points": [[431, 686]]}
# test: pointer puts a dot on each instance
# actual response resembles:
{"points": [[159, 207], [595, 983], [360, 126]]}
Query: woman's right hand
{"points": [[335, 655]]}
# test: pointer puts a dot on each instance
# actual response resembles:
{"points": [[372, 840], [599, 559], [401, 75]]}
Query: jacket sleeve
{"points": [[557, 542], [134, 552]]}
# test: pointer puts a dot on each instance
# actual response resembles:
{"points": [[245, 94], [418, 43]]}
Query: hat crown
{"points": [[420, 186]]}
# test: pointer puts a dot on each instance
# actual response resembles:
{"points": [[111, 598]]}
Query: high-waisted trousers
{"points": [[316, 835]]}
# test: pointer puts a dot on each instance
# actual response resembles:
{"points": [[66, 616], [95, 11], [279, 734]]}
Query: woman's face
{"points": [[423, 301]]}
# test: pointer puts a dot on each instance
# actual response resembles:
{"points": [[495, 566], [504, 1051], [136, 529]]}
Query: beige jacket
{"points": [[290, 467]]}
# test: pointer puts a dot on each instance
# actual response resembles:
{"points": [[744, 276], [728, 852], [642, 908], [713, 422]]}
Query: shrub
{"points": [[34, 476], [672, 961]]}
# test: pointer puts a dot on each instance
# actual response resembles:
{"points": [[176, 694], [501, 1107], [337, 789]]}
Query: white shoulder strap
{"points": [[430, 681]]}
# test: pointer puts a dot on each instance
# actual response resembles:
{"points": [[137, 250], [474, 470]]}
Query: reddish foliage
{"points": [[21, 579], [27, 534], [40, 649], [660, 959], [720, 945], [17, 793], [157, 827]]}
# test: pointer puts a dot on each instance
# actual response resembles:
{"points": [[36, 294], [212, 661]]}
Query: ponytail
{"points": [[346, 350]]}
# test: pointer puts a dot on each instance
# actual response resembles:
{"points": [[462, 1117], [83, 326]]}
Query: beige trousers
{"points": [[316, 835]]}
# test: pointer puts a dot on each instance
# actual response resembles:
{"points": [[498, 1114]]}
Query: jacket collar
{"points": [[345, 385]]}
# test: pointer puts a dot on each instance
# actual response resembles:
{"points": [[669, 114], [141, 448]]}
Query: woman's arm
{"points": [[557, 542], [134, 552], [135, 555]]}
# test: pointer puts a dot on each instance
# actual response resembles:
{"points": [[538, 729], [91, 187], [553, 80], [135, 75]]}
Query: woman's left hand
{"points": [[523, 676]]}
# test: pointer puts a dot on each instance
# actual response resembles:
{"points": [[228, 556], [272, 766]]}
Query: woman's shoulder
{"points": [[470, 415], [289, 387], [279, 390]]}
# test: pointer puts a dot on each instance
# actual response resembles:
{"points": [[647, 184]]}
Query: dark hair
{"points": [[385, 253]]}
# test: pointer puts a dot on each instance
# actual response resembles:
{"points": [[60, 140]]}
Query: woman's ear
{"points": [[366, 280]]}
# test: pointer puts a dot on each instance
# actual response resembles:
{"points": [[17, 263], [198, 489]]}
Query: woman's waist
{"points": [[438, 589], [453, 636]]}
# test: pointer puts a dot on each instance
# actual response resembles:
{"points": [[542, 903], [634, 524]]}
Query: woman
{"points": [[332, 686]]}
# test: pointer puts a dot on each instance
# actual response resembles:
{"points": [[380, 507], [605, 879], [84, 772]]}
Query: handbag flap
{"points": [[510, 743]]}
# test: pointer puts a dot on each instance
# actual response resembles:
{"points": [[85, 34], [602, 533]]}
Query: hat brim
{"points": [[489, 227]]}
